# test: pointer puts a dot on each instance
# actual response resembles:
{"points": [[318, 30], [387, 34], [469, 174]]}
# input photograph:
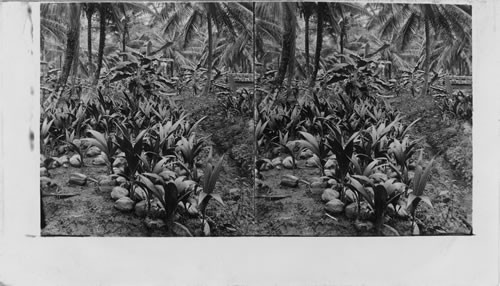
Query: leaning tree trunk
{"points": [[102, 40], [306, 43], [319, 44], [208, 86], [427, 57], [73, 35], [89, 39]]}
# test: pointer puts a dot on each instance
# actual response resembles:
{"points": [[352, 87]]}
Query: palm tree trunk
{"points": [[102, 40], [319, 43], [209, 57], [287, 47], [76, 61], [89, 39], [124, 35], [71, 44], [306, 43], [342, 32], [427, 56]]}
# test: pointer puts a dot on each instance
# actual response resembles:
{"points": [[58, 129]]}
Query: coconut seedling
{"points": [[420, 180], [133, 151], [318, 146], [210, 177], [378, 196], [287, 147], [401, 152], [167, 194], [259, 132], [188, 150], [69, 140], [106, 144], [343, 150], [45, 137]]}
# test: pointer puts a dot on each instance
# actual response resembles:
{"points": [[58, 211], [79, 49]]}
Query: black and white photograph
{"points": [[362, 125], [364, 119], [249, 143], [146, 119]]}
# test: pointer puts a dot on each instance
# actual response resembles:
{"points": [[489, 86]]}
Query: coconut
{"points": [[75, 161], [335, 206], [288, 162], [141, 208], [289, 181], [124, 204], [118, 193], [93, 151], [77, 179], [330, 194]]}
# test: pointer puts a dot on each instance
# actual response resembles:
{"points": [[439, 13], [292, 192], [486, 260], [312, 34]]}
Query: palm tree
{"points": [[116, 12], [73, 35], [333, 15], [188, 17], [89, 9], [274, 18], [448, 22], [321, 13], [307, 10]]}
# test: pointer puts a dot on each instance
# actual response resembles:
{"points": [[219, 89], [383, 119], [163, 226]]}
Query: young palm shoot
{"points": [[402, 151], [343, 150], [168, 195], [210, 177], [319, 148], [133, 151], [70, 137], [383, 195], [189, 149], [287, 147], [45, 134], [420, 180], [106, 144]]}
